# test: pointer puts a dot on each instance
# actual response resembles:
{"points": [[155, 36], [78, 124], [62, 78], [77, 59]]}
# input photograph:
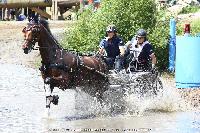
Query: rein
{"points": [[37, 48], [62, 66]]}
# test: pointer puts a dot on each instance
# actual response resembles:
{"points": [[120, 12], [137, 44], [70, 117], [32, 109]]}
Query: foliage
{"points": [[195, 27], [128, 16], [160, 41], [189, 9]]}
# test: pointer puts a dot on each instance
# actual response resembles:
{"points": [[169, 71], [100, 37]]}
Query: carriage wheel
{"points": [[140, 86], [145, 87]]}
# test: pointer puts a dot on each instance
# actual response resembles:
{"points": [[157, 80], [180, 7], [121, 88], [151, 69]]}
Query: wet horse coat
{"points": [[64, 69]]}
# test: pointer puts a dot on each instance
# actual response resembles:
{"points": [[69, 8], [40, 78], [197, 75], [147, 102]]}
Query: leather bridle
{"points": [[30, 43]]}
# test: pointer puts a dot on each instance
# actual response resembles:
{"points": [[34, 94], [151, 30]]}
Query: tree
{"points": [[127, 15]]}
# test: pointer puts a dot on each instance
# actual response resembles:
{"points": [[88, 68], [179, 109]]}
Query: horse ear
{"points": [[33, 19], [29, 19], [36, 18]]}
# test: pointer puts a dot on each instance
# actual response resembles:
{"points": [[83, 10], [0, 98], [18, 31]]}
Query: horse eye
{"points": [[34, 30]]}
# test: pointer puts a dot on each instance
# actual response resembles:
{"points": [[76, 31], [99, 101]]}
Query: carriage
{"points": [[136, 81], [67, 70]]}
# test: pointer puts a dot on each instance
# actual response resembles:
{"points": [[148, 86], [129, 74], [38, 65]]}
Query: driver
{"points": [[141, 48], [112, 46]]}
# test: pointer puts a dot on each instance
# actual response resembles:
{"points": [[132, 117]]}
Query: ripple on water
{"points": [[19, 111]]}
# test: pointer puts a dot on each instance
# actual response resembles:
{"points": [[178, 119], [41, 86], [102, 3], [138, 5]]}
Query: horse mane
{"points": [[45, 24]]}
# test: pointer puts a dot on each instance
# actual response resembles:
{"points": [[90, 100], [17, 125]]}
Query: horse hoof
{"points": [[55, 99], [47, 80]]}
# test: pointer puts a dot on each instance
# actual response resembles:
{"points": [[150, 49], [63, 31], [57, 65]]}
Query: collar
{"points": [[143, 44]]}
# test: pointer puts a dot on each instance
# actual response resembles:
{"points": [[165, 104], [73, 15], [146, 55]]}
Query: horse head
{"points": [[31, 36]]}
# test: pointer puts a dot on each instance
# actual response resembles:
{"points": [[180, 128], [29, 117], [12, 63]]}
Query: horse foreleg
{"points": [[48, 93], [49, 98]]}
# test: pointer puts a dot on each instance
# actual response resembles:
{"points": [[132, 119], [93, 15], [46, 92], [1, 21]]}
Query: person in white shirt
{"points": [[141, 52]]}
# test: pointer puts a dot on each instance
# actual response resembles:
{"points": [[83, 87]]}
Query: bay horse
{"points": [[61, 68]]}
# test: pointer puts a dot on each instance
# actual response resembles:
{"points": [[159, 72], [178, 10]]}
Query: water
{"points": [[22, 109]]}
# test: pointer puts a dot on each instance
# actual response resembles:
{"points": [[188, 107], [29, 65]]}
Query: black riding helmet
{"points": [[141, 33], [111, 28]]}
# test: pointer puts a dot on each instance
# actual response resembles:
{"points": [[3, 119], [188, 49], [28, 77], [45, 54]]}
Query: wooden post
{"points": [[22, 10], [26, 11], [7, 14], [2, 14], [54, 9], [49, 11]]}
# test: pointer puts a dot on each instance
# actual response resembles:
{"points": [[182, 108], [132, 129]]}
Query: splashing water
{"points": [[23, 103], [170, 100]]}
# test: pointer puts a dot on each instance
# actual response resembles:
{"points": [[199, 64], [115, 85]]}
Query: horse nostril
{"points": [[25, 44]]}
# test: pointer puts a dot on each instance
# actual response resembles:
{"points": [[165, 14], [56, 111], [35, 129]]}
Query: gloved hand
{"points": [[98, 55], [107, 38], [153, 68]]}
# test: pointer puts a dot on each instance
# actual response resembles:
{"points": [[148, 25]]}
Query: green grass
{"points": [[195, 27], [189, 9]]}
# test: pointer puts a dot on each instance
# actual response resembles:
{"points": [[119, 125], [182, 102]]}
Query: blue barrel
{"points": [[187, 68], [172, 45]]}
